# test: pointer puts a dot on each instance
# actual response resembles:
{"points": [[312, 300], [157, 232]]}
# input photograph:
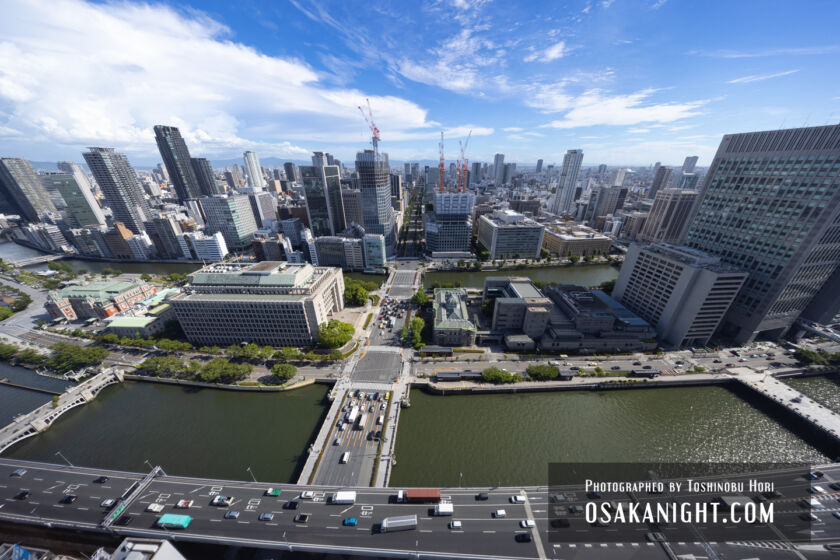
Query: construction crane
{"points": [[440, 146], [464, 164], [374, 131]]}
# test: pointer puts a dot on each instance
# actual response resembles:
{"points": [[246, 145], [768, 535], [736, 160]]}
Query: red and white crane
{"points": [[374, 131], [463, 165]]}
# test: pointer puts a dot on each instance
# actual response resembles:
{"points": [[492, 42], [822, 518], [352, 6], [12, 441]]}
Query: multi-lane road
{"points": [[481, 535]]}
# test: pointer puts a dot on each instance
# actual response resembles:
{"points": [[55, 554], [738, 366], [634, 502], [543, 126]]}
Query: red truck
{"points": [[419, 495]]}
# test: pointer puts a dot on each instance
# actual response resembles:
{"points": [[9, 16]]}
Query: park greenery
{"points": [[357, 292], [420, 298], [217, 370], [499, 376], [165, 344], [412, 332], [280, 373], [817, 357], [542, 372], [334, 334], [64, 357]]}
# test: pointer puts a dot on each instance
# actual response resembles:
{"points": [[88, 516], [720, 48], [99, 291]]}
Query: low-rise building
{"points": [[566, 240], [96, 299], [519, 308], [274, 303], [452, 326], [144, 326]]}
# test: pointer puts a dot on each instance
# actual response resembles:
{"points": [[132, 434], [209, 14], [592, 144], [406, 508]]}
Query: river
{"points": [[511, 438], [188, 431], [584, 275], [20, 401], [824, 389]]}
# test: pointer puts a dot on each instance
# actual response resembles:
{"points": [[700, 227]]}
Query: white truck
{"points": [[444, 508], [398, 523], [352, 415], [345, 497]]}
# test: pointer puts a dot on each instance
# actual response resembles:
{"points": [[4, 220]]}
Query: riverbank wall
{"points": [[247, 388]]}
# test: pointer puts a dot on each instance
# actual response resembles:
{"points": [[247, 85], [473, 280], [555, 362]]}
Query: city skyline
{"points": [[530, 82]]}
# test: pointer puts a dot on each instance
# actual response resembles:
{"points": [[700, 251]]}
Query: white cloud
{"points": [[607, 3], [761, 77], [784, 51], [75, 74], [513, 129], [594, 107], [658, 4], [555, 51]]}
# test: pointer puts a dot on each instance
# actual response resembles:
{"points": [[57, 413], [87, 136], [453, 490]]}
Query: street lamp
{"points": [[460, 476], [251, 473], [147, 462], [60, 454]]}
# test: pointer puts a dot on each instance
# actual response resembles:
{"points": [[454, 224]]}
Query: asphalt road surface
{"points": [[481, 535]]}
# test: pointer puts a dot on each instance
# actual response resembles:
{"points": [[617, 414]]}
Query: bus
{"points": [[173, 521]]}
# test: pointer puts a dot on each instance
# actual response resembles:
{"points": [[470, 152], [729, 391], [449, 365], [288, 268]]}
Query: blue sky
{"points": [[628, 81]]}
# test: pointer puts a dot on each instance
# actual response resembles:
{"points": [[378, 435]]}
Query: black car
{"points": [[302, 518], [482, 496], [637, 363], [523, 537], [716, 361], [123, 520], [101, 480], [22, 495], [290, 505], [68, 499]]}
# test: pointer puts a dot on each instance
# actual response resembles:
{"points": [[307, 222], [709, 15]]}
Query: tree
{"points": [[574, 259], [266, 352], [5, 313], [497, 376], [109, 338], [544, 253], [29, 356], [477, 264], [68, 357], [541, 372], [162, 366], [335, 334], [417, 326], [233, 351], [283, 372], [220, 370], [336, 355], [210, 349], [355, 295], [420, 298], [146, 277], [288, 354], [7, 351], [607, 286]]}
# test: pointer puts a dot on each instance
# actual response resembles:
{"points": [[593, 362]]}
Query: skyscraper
{"points": [[449, 227], [231, 215], [176, 157], [689, 164], [84, 189], [118, 182], [669, 216], [499, 169], [771, 205], [291, 172], [22, 190], [475, 174], [254, 171], [205, 177], [324, 203], [539, 165], [377, 211], [81, 211], [659, 181], [565, 195]]}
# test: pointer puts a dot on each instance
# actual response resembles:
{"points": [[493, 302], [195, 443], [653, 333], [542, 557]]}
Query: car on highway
{"points": [[834, 485], [615, 368], [273, 492], [266, 516], [101, 480], [454, 524], [307, 495], [517, 499], [647, 367], [290, 505], [22, 495], [499, 513], [302, 518], [155, 508], [232, 514], [482, 496], [527, 524], [68, 499], [337, 441], [18, 472], [814, 475], [523, 537], [123, 520], [223, 501], [349, 522], [816, 490], [184, 504], [836, 514], [108, 503]]}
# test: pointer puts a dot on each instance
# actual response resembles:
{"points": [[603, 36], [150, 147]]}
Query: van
{"points": [[345, 457]]}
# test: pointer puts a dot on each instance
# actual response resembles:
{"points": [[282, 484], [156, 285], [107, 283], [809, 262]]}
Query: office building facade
{"points": [[669, 216], [24, 194], [231, 215], [508, 234], [90, 204], [118, 182], [176, 157], [374, 184]]}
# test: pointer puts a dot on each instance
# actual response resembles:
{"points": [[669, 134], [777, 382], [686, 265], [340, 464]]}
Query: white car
{"points": [[109, 503], [517, 499], [307, 495], [454, 524], [222, 501], [184, 504], [527, 524], [499, 513], [156, 508]]}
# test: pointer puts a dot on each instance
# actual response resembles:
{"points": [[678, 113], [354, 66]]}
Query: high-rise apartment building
{"points": [[233, 216], [176, 157], [475, 174], [689, 164], [324, 203], [539, 166], [253, 170], [683, 292], [291, 172], [669, 216], [686, 181], [81, 211], [565, 195], [85, 190], [660, 180], [118, 182], [771, 205], [22, 190], [205, 177], [377, 211], [499, 169]]}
